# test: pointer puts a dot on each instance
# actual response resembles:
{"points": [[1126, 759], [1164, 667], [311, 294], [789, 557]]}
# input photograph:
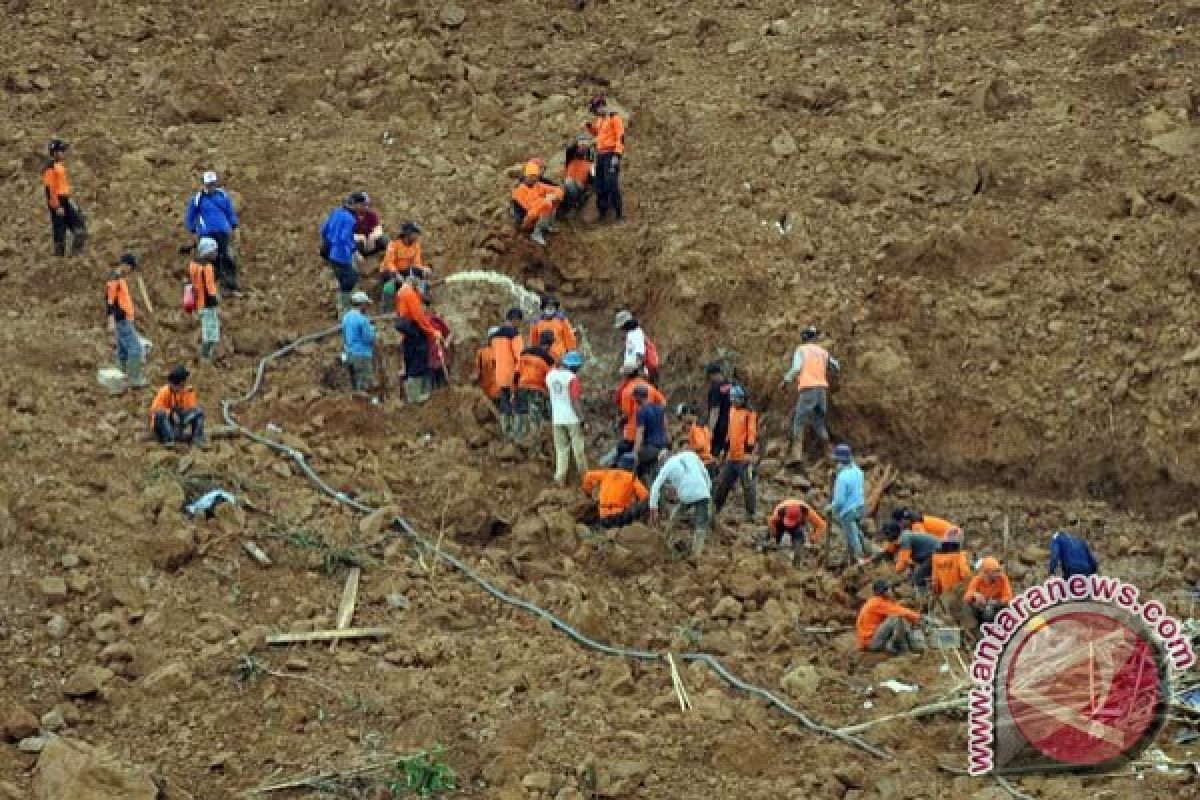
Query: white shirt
{"points": [[558, 384], [686, 473], [635, 346]]}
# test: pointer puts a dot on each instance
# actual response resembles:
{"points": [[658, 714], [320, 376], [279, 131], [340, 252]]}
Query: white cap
{"points": [[360, 298], [206, 247], [623, 318], [209, 177]]}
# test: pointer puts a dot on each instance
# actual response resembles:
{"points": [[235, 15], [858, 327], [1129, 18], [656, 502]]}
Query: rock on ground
{"points": [[68, 769]]}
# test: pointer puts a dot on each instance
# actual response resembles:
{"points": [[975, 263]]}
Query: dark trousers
{"points": [[71, 220], [647, 463], [608, 185], [346, 274], [416, 349], [177, 426], [922, 572], [736, 472], [626, 517], [225, 267]]}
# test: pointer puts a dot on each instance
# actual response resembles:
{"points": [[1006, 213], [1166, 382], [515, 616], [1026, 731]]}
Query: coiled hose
{"points": [[402, 526]]}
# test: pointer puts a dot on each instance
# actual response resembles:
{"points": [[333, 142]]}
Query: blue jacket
{"points": [[848, 491], [210, 213], [338, 234], [1072, 554], [358, 334]]}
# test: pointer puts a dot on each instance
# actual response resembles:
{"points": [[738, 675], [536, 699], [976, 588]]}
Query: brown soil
{"points": [[986, 205]]}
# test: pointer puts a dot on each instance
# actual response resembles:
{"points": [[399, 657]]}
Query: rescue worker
{"points": [[204, 284], [577, 176], [848, 501], [622, 496], [1072, 555], [210, 213], [119, 309], [507, 346], [699, 438], [608, 129], [358, 342], [554, 320], [534, 204], [922, 523], [566, 415], [914, 551], [369, 237], [174, 413], [949, 568], [441, 353], [797, 519], [989, 591], [485, 366], [810, 369], [338, 248], [533, 365], [639, 351], [739, 465], [685, 473], [64, 213], [650, 432], [718, 407], [883, 625], [419, 335], [627, 406], [404, 255]]}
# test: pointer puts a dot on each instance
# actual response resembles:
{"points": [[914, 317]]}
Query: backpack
{"points": [[189, 298], [651, 355]]}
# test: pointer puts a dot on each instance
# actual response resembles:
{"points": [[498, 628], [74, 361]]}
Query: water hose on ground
{"points": [[402, 526]]}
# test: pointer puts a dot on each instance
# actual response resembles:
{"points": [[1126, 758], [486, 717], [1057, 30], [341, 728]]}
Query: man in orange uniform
{"points": [[554, 320], [534, 363], [204, 284], [810, 369], [622, 496], [118, 305], [609, 131], [989, 591], [404, 255], [628, 406], [413, 323], [534, 204], [577, 176], [485, 366], [64, 214], [950, 569], [796, 518], [884, 625], [699, 438], [174, 414], [739, 460], [506, 352]]}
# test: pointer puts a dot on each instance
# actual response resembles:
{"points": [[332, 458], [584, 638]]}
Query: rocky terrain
{"points": [[988, 206]]}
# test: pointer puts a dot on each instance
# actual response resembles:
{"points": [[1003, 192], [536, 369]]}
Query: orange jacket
{"points": [[410, 307], [578, 170], [203, 281], [117, 300], [170, 400], [982, 590], [814, 373], [609, 132], [532, 366], [618, 489], [873, 614], [400, 256], [808, 515], [935, 526], [628, 405], [950, 571], [485, 371], [743, 434], [54, 178], [506, 352], [537, 200], [700, 440], [564, 335]]}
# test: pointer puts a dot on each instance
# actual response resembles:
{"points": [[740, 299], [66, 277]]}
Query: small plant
{"points": [[691, 633], [424, 774], [249, 669]]}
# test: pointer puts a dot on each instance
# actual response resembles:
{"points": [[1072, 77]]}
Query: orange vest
{"points": [[610, 134], [116, 292], [618, 489], [813, 373], [628, 405], [505, 353], [980, 589], [485, 368], [700, 440], [578, 170], [818, 523], [532, 367], [400, 256], [950, 570], [874, 612], [537, 200], [564, 336], [54, 178], [743, 433], [201, 276], [169, 400]]}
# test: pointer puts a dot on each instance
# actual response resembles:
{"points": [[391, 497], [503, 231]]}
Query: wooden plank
{"points": [[327, 636], [349, 601], [145, 295]]}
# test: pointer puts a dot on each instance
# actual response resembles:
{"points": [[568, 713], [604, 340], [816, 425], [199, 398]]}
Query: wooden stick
{"points": [[145, 295], [957, 704], [327, 636], [349, 601]]}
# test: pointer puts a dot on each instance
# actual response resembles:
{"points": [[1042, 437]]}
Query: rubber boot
{"points": [[60, 249], [206, 350], [134, 374], [410, 396]]}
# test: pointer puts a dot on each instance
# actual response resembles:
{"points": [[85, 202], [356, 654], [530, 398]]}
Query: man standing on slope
{"points": [[339, 249], [210, 213], [64, 214], [204, 284], [810, 366], [358, 342], [118, 303], [609, 131], [848, 501], [566, 415]]}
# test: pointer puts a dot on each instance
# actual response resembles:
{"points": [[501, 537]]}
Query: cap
{"points": [[989, 564], [206, 247], [179, 374], [56, 146], [360, 298], [622, 319], [410, 228], [792, 515], [881, 586], [208, 178], [492, 331], [357, 197], [809, 333], [841, 453], [531, 169], [129, 260], [713, 368]]}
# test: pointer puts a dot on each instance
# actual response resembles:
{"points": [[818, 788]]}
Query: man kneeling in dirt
{"points": [[884, 625], [174, 414], [622, 496], [989, 591], [686, 474]]}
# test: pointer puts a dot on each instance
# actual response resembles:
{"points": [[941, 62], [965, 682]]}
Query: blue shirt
{"points": [[653, 421], [338, 234], [1073, 554], [210, 212], [358, 334], [848, 491]]}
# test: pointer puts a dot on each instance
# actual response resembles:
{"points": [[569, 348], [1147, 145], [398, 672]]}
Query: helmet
{"points": [[56, 146], [842, 454], [206, 247], [572, 360], [989, 564], [531, 169], [737, 394], [627, 461], [809, 333], [546, 338], [360, 298], [410, 228], [492, 331]]}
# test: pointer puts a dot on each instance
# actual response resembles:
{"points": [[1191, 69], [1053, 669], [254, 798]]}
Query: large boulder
{"points": [[68, 769]]}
